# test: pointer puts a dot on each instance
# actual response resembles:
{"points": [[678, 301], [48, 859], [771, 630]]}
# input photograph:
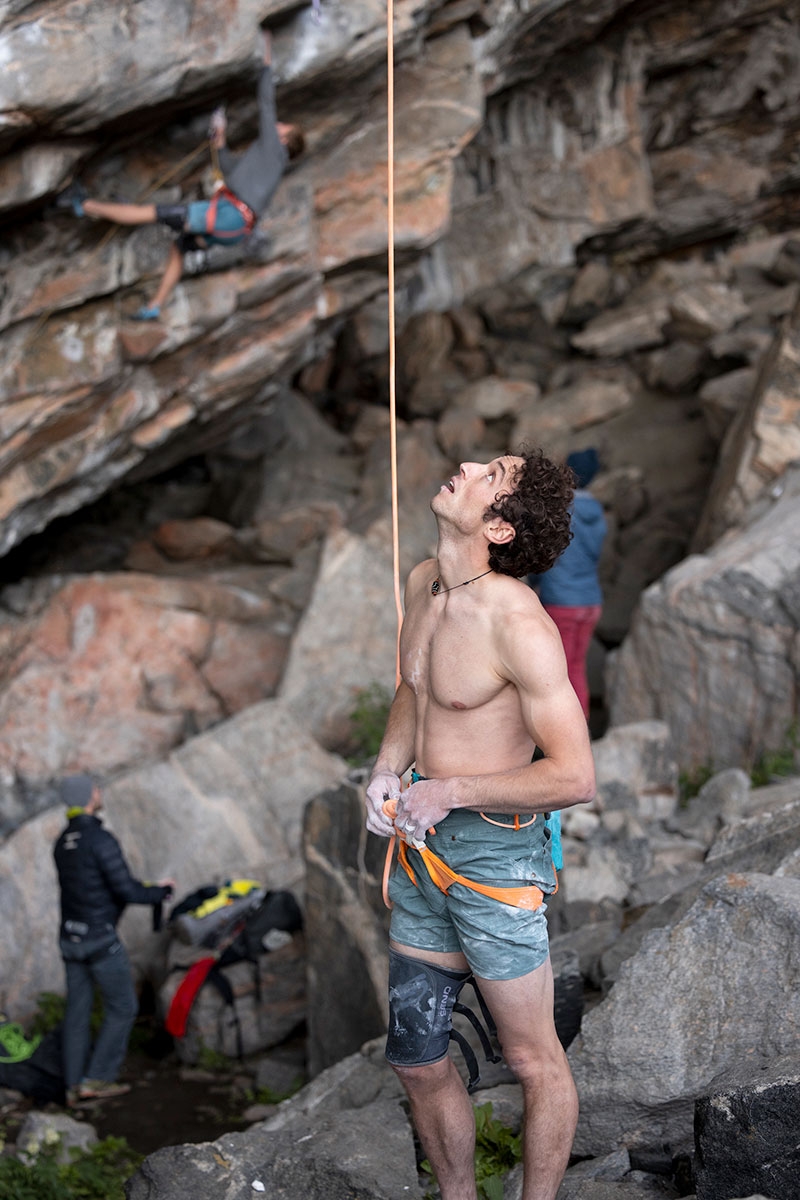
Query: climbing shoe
{"points": [[99, 1089], [73, 197], [146, 314]]}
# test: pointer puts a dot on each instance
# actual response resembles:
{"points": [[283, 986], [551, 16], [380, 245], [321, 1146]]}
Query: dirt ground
{"points": [[169, 1103]]}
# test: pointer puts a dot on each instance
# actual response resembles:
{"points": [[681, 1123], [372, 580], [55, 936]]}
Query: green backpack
{"points": [[14, 1046]]}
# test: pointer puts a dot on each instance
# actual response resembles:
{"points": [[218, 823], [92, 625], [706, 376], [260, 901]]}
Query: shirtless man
{"points": [[484, 681]]}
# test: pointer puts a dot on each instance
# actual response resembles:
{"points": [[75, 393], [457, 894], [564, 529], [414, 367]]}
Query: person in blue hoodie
{"points": [[570, 591]]}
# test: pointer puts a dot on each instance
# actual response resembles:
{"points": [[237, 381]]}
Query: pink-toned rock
{"points": [[201, 537], [113, 670]]}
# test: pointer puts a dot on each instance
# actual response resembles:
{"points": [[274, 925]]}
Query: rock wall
{"points": [[526, 142], [595, 219]]}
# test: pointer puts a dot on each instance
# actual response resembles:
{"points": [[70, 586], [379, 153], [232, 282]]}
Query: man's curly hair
{"points": [[539, 510]]}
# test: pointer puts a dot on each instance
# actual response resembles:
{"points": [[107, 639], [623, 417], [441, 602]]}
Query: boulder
{"points": [[228, 803], [327, 670], [746, 1132], [727, 697], [40, 1129], [623, 330], [633, 1096], [346, 927], [761, 442], [345, 1136], [186, 653]]}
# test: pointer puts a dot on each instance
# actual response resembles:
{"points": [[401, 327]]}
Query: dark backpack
{"points": [[41, 1074], [252, 936], [277, 914]]}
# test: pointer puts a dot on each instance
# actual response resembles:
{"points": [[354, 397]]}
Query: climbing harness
{"points": [[249, 217], [529, 896]]}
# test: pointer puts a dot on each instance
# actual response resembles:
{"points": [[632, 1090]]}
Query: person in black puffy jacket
{"points": [[96, 885]]}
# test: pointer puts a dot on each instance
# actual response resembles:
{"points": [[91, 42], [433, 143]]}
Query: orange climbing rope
{"points": [[392, 349]]}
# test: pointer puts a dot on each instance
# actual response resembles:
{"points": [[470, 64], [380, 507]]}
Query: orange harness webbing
{"points": [[528, 896], [223, 193]]}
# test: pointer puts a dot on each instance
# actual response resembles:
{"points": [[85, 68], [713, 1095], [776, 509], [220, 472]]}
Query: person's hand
{"points": [[218, 128], [423, 806], [168, 883], [382, 787], [266, 47]]}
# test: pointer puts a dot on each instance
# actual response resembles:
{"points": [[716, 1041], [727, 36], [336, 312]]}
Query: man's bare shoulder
{"points": [[519, 618], [419, 577]]}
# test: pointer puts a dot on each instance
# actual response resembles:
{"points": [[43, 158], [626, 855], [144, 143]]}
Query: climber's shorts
{"points": [[498, 940], [228, 220], [421, 999]]}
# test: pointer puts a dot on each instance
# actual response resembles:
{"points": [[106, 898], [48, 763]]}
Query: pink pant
{"points": [[576, 625]]}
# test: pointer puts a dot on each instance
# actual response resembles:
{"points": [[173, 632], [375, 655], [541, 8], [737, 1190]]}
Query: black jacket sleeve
{"points": [[122, 885]]}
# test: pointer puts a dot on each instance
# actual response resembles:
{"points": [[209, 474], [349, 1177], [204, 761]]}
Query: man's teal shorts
{"points": [[498, 940]]}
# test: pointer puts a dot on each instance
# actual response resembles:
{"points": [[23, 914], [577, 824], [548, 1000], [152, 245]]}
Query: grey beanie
{"points": [[76, 790]]}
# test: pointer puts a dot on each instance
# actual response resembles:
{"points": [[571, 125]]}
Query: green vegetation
{"points": [[98, 1173], [50, 1009], [368, 721], [770, 766], [692, 781], [265, 1095], [497, 1150], [49, 1013], [778, 764], [209, 1059]]}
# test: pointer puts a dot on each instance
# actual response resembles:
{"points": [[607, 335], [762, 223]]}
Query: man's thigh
{"points": [[522, 1009]]}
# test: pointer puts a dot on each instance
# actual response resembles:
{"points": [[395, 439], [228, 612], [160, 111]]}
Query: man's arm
{"points": [[122, 885], [394, 758], [218, 128], [532, 659]]}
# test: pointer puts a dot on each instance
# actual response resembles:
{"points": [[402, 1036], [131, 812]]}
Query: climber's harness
{"points": [[247, 214], [529, 896]]}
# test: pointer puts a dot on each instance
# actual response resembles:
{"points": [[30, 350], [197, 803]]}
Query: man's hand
{"points": [[266, 47], [382, 787], [422, 806], [218, 128], [167, 883]]}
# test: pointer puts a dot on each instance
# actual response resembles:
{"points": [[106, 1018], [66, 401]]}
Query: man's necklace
{"points": [[438, 590]]}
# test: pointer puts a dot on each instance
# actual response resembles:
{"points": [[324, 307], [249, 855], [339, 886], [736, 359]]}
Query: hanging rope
{"points": [[392, 382], [392, 347]]}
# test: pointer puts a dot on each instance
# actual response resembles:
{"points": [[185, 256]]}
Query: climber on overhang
{"points": [[248, 182]]}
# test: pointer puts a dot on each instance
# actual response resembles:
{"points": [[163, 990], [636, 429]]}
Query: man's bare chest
{"points": [[452, 664]]}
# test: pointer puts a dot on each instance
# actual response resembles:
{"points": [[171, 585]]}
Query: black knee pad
{"points": [[173, 215], [421, 999]]}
